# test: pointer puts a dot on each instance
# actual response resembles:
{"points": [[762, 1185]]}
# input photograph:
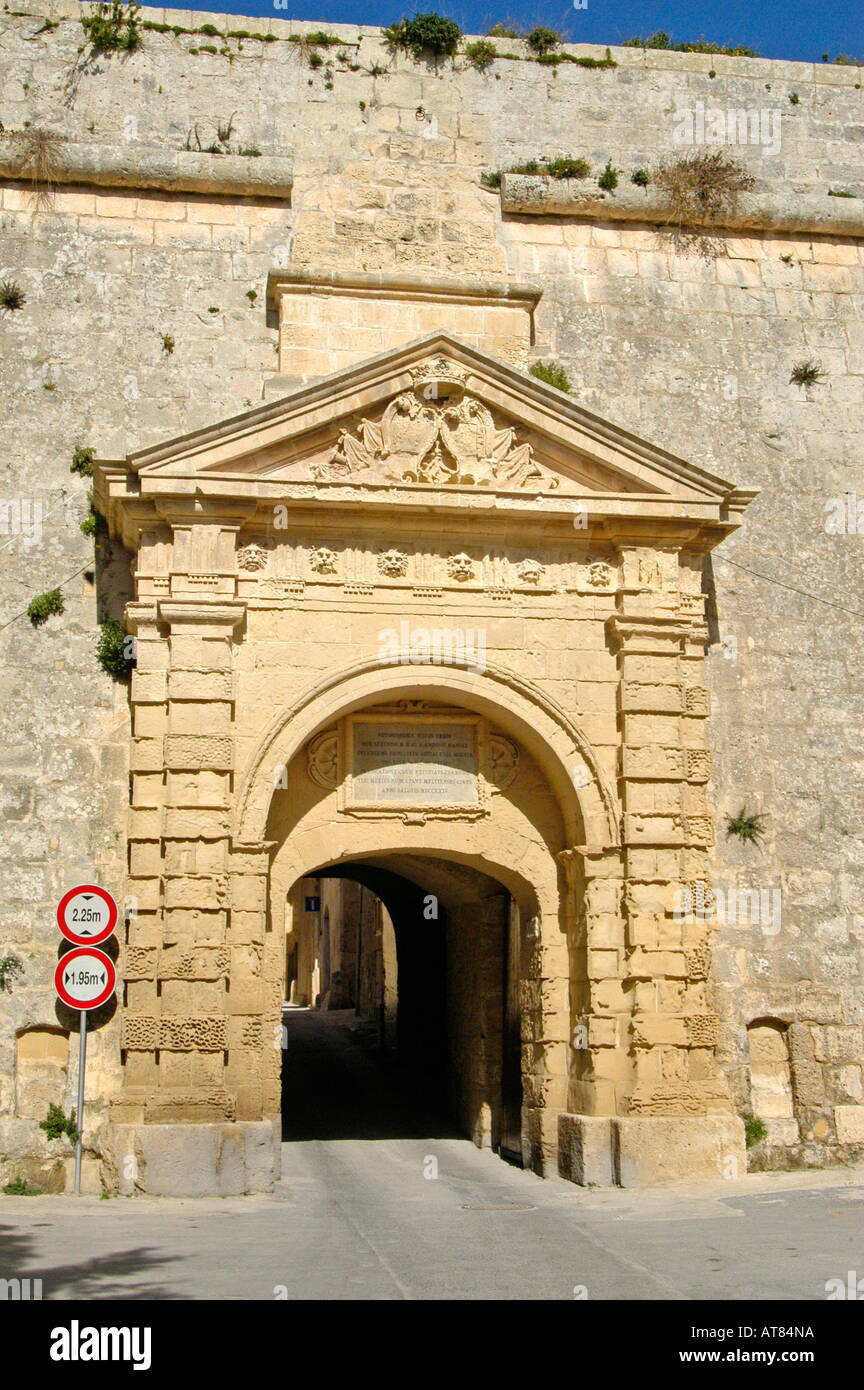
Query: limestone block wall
{"points": [[694, 355]]}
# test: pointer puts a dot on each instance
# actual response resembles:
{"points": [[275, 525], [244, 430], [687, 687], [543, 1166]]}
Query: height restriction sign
{"points": [[85, 978], [86, 915]]}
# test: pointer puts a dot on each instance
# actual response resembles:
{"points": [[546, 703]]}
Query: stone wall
{"points": [[146, 244]]}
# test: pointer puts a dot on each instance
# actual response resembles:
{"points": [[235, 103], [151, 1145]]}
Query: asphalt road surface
{"points": [[380, 1199]]}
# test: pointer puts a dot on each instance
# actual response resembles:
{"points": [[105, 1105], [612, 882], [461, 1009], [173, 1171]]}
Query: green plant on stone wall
{"points": [[608, 180], [541, 40], [564, 168], [113, 25], [754, 1131], [481, 54], [702, 192], [552, 373], [43, 606], [807, 373], [20, 1187], [114, 650], [640, 177], [425, 33], [11, 968], [661, 40], [749, 828], [94, 523], [11, 296], [56, 1124], [82, 462]]}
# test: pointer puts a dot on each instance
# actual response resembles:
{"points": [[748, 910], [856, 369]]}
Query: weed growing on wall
{"points": [[11, 296], [807, 373], [44, 606], [425, 33], [702, 190], [481, 54], [56, 1124], [11, 969], [113, 26], [82, 462], [749, 828], [552, 373], [114, 650]]}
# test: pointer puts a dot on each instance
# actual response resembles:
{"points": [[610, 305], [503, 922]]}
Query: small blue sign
{"points": [[313, 904]]}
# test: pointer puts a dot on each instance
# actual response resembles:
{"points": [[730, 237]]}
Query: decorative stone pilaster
{"points": [[600, 1068], [176, 1027], [667, 835]]}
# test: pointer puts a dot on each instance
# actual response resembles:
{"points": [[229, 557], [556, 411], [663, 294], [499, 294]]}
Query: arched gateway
{"points": [[430, 619]]}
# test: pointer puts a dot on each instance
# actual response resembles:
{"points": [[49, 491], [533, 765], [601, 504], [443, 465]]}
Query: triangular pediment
{"points": [[435, 414]]}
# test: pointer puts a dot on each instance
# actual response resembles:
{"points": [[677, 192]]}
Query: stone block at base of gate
{"points": [[585, 1150], [191, 1160], [653, 1150]]}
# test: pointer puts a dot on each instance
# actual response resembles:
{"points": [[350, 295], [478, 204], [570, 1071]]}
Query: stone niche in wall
{"points": [[331, 321]]}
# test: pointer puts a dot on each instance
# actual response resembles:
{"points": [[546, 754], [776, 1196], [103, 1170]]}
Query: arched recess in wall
{"points": [[554, 740], [41, 1067], [770, 1070]]}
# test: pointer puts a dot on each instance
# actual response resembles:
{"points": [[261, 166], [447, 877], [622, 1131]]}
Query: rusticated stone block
{"points": [[145, 755], [653, 762], [699, 961], [655, 1150], [148, 687], [697, 764], [200, 685], [699, 830], [203, 963], [703, 1030], [585, 1150], [697, 700], [190, 891], [139, 1032], [193, 752], [140, 963], [248, 893], [203, 824], [653, 1030], [196, 1034], [651, 699]]}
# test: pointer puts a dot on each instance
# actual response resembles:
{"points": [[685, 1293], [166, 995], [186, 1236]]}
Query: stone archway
{"points": [[515, 838], [281, 556]]}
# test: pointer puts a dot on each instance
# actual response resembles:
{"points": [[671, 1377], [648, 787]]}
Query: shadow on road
{"points": [[101, 1277]]}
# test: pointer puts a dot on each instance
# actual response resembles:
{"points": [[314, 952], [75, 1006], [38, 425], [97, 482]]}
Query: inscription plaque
{"points": [[415, 763]]}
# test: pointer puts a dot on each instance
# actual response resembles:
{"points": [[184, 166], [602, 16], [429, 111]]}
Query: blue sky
{"points": [[776, 28]]}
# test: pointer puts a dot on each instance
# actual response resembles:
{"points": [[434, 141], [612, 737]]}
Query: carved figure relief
{"points": [[252, 557], [460, 567], [531, 571], [393, 563], [323, 560], [599, 574]]}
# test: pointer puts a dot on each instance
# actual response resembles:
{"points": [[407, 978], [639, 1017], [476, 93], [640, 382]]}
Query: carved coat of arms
{"points": [[436, 434]]}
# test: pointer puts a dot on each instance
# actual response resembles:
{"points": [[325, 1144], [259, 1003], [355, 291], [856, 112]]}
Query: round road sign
{"points": [[86, 915], [85, 978]]}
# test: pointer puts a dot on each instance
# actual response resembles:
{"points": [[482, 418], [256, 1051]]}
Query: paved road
{"points": [[357, 1218]]}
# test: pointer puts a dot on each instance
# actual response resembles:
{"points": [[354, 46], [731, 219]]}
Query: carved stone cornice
{"points": [[179, 614]]}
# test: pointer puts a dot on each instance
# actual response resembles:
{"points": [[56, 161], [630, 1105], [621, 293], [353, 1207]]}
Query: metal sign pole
{"points": [[79, 1118]]}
